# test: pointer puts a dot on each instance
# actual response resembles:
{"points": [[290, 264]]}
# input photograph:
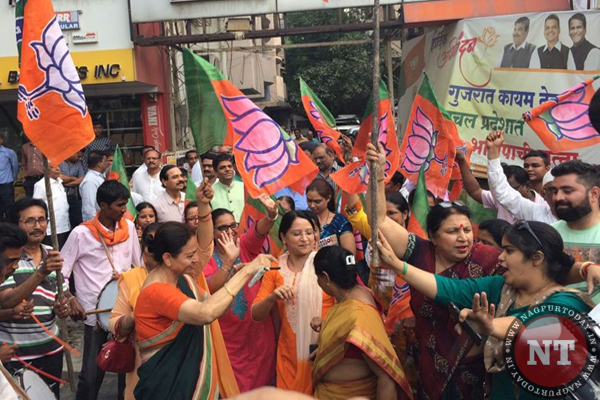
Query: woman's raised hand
{"points": [[230, 248], [481, 315]]}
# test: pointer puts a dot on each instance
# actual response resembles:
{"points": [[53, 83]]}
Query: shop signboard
{"points": [[153, 117], [487, 72], [68, 20]]}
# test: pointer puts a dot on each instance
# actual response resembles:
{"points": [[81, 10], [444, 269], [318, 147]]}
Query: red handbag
{"points": [[116, 355]]}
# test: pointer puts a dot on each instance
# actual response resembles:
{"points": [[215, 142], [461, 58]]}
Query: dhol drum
{"points": [[34, 386], [106, 301]]}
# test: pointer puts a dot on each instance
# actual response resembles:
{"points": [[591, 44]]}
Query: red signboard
{"points": [[154, 120]]}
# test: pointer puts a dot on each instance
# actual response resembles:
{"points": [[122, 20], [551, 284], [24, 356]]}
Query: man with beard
{"points": [[170, 205], [36, 279], [96, 253], [576, 197], [229, 192], [205, 169]]}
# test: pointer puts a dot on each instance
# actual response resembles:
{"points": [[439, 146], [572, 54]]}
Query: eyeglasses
{"points": [[30, 222], [520, 225], [224, 228], [449, 204], [193, 219]]}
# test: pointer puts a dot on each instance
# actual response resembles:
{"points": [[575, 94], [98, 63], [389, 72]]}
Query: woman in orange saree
{"points": [[293, 288], [183, 354], [354, 356]]}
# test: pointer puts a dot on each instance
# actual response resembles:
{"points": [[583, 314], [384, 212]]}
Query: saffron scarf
{"points": [[120, 235]]}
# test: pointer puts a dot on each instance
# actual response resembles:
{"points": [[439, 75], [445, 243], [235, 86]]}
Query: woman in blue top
{"points": [[537, 267], [335, 228]]}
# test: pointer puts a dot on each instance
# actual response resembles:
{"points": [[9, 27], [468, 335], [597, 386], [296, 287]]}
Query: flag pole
{"points": [[375, 136], [62, 323]]}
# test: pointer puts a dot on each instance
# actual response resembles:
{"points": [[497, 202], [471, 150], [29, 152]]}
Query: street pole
{"points": [[62, 323], [375, 136]]}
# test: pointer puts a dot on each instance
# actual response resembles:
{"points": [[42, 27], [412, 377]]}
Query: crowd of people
{"points": [[321, 321]]}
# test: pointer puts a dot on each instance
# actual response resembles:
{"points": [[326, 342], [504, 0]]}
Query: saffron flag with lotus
{"points": [[354, 178], [118, 173], [267, 158], [387, 132], [252, 213], [321, 119], [430, 142], [50, 100], [564, 124]]}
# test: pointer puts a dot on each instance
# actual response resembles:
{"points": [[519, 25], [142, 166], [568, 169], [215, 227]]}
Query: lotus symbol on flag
{"points": [[317, 116], [421, 143], [54, 60], [383, 139], [362, 172], [570, 119], [268, 150]]}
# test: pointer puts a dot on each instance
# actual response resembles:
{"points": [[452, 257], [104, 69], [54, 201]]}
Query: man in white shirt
{"points": [[170, 205], [509, 198], [147, 183], [515, 176], [60, 202], [94, 266], [97, 164]]}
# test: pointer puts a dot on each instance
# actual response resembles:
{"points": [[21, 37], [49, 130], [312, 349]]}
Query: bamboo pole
{"points": [[375, 136], [62, 323]]}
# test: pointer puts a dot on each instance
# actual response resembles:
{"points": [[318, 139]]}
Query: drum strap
{"points": [[110, 260]]}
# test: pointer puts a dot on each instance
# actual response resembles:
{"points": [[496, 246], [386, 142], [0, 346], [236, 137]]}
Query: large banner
{"points": [[488, 71]]}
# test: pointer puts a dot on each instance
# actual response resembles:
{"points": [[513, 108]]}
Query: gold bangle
{"points": [[228, 290]]}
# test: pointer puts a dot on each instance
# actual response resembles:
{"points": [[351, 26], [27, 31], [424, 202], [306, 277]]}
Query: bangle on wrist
{"points": [[205, 216], [272, 219], [228, 290], [404, 268], [583, 270]]}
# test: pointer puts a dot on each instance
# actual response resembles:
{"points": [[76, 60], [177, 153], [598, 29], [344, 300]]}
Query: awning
{"points": [[448, 10]]}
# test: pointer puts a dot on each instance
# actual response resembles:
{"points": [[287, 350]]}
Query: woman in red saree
{"points": [[449, 365], [182, 351]]}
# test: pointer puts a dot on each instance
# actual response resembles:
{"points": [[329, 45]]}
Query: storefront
{"points": [[124, 86]]}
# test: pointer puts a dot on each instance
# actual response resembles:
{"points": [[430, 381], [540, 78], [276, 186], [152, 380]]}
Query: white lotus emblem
{"points": [[54, 59]]}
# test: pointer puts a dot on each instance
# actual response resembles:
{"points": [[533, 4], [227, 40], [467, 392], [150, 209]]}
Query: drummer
{"points": [[94, 266], [35, 280]]}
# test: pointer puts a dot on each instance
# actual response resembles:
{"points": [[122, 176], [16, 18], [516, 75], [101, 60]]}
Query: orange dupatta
{"points": [[120, 235]]}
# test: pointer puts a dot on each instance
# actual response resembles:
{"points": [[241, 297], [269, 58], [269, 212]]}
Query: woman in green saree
{"points": [[183, 353], [537, 267]]}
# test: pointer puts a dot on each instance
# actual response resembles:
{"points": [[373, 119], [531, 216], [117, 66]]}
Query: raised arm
{"points": [[264, 225], [470, 183], [396, 234], [203, 313], [418, 279], [204, 233]]}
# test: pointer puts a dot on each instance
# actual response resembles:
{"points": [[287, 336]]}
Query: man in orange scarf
{"points": [[96, 253]]}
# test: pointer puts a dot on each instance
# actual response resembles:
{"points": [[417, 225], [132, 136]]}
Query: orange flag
{"points": [[51, 105], [429, 142], [267, 158], [387, 132], [564, 124]]}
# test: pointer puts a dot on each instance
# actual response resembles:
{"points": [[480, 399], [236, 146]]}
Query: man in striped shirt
{"points": [[36, 279]]}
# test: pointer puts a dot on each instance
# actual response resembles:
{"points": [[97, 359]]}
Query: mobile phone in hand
{"points": [[467, 326]]}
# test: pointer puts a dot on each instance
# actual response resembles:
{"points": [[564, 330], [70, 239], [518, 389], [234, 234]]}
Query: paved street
{"points": [[109, 386]]}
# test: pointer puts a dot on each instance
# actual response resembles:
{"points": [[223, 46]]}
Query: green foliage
{"points": [[340, 75]]}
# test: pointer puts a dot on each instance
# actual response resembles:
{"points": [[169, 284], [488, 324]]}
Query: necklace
{"points": [[326, 219], [519, 305]]}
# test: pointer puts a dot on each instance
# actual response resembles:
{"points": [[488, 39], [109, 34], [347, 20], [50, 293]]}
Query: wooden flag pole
{"points": [[62, 323], [375, 137]]}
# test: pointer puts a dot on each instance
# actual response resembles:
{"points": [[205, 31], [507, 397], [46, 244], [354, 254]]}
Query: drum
{"points": [[106, 301], [34, 386]]}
